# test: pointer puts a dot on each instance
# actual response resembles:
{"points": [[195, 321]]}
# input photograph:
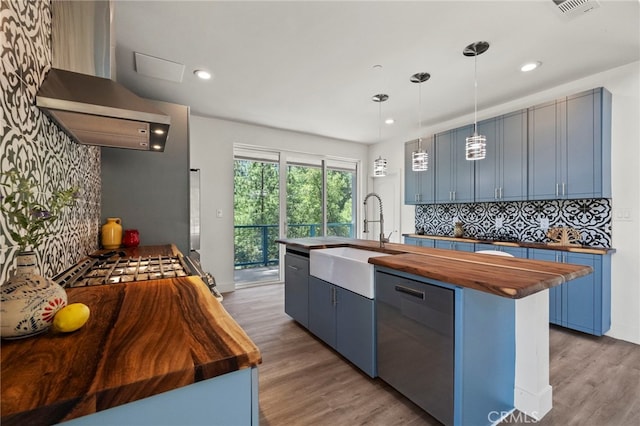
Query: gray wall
{"points": [[149, 191]]}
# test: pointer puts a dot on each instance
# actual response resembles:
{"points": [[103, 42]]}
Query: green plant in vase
{"points": [[29, 301]]}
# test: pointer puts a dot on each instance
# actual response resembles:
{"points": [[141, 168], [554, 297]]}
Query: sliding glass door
{"points": [[256, 217], [316, 197]]}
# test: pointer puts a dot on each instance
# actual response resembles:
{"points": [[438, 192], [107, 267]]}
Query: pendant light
{"points": [[380, 167], [420, 158], [476, 146], [380, 164]]}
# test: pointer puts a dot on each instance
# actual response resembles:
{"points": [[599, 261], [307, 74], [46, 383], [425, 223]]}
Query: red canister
{"points": [[131, 238]]}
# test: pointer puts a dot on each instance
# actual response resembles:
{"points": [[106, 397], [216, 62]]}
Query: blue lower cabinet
{"points": [[420, 242], [229, 399], [322, 311], [454, 245], [555, 293], [583, 304], [345, 321], [520, 252]]}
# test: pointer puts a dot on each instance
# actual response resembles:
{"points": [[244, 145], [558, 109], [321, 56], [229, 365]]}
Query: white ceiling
{"points": [[308, 66]]}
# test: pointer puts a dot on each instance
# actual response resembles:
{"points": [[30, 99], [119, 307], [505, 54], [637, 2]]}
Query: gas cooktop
{"points": [[116, 269]]}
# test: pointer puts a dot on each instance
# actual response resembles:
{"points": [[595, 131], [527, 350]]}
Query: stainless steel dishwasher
{"points": [[415, 346]]}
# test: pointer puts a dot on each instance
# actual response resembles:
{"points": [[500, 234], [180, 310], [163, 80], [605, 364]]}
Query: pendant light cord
{"points": [[475, 88], [420, 117], [380, 121]]}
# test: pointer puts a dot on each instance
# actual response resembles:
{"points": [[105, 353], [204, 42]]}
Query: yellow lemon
{"points": [[70, 318]]}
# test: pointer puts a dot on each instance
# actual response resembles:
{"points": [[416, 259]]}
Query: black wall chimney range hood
{"points": [[79, 95]]}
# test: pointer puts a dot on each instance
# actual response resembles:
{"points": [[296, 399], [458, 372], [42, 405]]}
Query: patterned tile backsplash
{"points": [[35, 146], [520, 219]]}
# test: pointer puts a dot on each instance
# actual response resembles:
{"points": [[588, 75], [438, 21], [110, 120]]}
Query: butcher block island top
{"points": [[141, 339], [510, 277]]}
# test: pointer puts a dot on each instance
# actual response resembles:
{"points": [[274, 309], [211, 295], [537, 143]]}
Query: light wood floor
{"points": [[596, 381]]}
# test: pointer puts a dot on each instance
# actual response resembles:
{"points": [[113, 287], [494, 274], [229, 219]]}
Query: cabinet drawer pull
{"points": [[295, 268], [410, 292], [495, 193], [557, 189], [563, 189]]}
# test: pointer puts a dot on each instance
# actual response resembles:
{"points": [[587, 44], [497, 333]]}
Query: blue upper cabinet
{"points": [[502, 175], [570, 147], [419, 187], [454, 175]]}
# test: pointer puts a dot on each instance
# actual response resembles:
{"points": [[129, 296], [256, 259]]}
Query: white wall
{"points": [[624, 84], [212, 142]]}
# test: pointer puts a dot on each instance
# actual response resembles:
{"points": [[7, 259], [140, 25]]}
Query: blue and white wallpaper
{"points": [[35, 146], [520, 219]]}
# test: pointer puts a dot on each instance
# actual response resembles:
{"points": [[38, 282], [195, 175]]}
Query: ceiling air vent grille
{"points": [[576, 7]]}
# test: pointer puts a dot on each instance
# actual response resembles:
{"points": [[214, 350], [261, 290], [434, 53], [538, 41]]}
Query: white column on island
{"points": [[533, 393]]}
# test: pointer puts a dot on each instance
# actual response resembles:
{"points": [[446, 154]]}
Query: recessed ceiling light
{"points": [[205, 75], [156, 147], [389, 121], [530, 66], [158, 132]]}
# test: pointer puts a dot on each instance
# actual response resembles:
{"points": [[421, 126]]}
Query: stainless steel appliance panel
{"points": [[415, 342]]}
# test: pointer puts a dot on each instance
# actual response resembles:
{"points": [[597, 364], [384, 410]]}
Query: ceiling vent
{"points": [[575, 8]]}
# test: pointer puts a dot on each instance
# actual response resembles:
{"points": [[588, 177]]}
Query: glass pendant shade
{"points": [[419, 161], [379, 167], [420, 158], [476, 147]]}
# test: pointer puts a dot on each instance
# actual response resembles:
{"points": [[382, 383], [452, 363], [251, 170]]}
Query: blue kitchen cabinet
{"points": [[296, 287], [420, 242], [454, 175], [520, 252], [570, 147], [555, 293], [583, 304], [229, 399], [322, 311], [345, 321], [355, 323], [419, 187], [502, 175], [454, 245]]}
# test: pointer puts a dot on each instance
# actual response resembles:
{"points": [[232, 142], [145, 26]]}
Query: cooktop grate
{"points": [[90, 272]]}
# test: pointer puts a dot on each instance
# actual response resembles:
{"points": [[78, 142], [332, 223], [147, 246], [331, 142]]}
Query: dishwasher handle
{"points": [[410, 291]]}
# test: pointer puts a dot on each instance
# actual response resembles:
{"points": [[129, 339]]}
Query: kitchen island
{"points": [[160, 351], [487, 315]]}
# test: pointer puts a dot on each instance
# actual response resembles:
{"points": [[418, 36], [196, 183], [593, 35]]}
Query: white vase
{"points": [[28, 301]]}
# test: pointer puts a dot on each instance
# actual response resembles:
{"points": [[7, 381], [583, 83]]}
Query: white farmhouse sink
{"points": [[345, 267]]}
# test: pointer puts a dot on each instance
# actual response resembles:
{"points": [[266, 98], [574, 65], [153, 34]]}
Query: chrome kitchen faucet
{"points": [[383, 239]]}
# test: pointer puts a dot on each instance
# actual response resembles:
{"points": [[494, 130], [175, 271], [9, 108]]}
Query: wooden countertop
{"points": [[504, 276], [141, 339], [574, 249]]}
